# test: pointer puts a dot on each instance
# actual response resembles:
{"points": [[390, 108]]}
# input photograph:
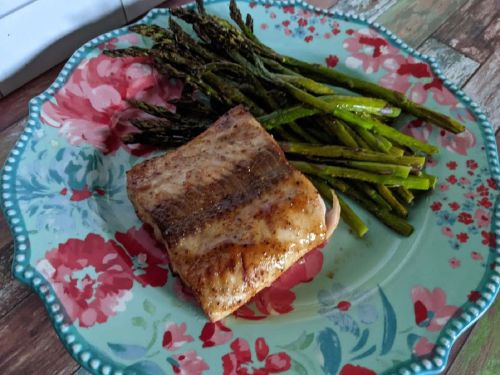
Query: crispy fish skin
{"points": [[231, 211]]}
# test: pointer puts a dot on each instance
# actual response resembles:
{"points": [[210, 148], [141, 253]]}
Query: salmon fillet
{"points": [[232, 213]]}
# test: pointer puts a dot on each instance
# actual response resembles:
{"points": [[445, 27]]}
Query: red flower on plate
{"points": [[148, 256], [431, 310], [485, 202], [436, 206], [279, 298], [332, 61], [489, 238], [91, 107], [370, 52], [465, 218], [349, 369], [239, 360], [214, 334], [188, 363], [175, 336], [91, 277]]}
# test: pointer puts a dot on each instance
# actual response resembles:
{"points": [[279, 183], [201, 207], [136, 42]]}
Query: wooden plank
{"points": [[481, 352], [29, 345], [12, 292], [7, 139], [455, 350], [457, 67], [370, 9], [483, 88], [465, 30], [14, 106], [415, 20]]}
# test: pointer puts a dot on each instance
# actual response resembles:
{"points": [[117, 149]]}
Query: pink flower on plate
{"points": [[91, 107], [239, 360], [149, 258], [454, 262], [214, 334], [476, 256], [423, 347], [482, 218], [447, 232], [418, 129], [175, 336], [458, 143], [188, 363], [431, 310], [129, 39], [370, 52], [91, 277], [278, 298]]}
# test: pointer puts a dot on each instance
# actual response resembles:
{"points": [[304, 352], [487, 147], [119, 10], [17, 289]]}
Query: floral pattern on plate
{"points": [[380, 304]]}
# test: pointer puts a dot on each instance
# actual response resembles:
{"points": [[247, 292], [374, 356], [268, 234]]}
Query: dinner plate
{"points": [[381, 304]]}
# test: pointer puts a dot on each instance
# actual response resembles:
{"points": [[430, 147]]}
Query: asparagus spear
{"points": [[379, 168], [372, 194], [416, 162], [391, 199], [405, 194], [346, 212], [417, 183], [397, 223], [367, 88]]}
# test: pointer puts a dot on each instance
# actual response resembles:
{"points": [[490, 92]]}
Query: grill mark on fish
{"points": [[181, 216]]}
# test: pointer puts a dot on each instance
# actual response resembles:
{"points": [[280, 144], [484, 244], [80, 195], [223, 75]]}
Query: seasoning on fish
{"points": [[232, 213]]}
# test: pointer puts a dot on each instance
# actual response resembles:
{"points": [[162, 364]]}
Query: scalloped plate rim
{"points": [[33, 279]]}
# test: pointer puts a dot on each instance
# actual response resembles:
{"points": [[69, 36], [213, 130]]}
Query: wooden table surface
{"points": [[463, 35]]}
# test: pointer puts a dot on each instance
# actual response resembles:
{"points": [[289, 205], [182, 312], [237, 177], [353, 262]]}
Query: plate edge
{"points": [[35, 281]]}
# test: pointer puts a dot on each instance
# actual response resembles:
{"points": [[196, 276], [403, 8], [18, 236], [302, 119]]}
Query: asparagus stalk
{"points": [[386, 131], [417, 183], [373, 194], [398, 208], [402, 171], [346, 212], [394, 222], [397, 99], [405, 194], [338, 129], [376, 143], [416, 162], [345, 103]]}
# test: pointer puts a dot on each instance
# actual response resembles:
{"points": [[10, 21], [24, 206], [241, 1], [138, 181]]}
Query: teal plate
{"points": [[382, 304]]}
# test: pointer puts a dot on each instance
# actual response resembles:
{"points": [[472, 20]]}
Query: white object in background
{"points": [[41, 34], [10, 6], [136, 8]]}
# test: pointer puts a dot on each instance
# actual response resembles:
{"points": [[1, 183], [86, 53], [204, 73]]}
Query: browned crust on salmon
{"points": [[231, 211]]}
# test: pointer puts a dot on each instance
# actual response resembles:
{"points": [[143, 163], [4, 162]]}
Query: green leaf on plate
{"points": [[139, 321], [298, 368], [302, 342], [149, 307]]}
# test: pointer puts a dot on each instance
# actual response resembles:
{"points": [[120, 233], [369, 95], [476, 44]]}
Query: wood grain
{"points": [[483, 88], [465, 29], [457, 67], [7, 139], [455, 350], [12, 292], [369, 9], [481, 353], [415, 20], [28, 343], [15, 105]]}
